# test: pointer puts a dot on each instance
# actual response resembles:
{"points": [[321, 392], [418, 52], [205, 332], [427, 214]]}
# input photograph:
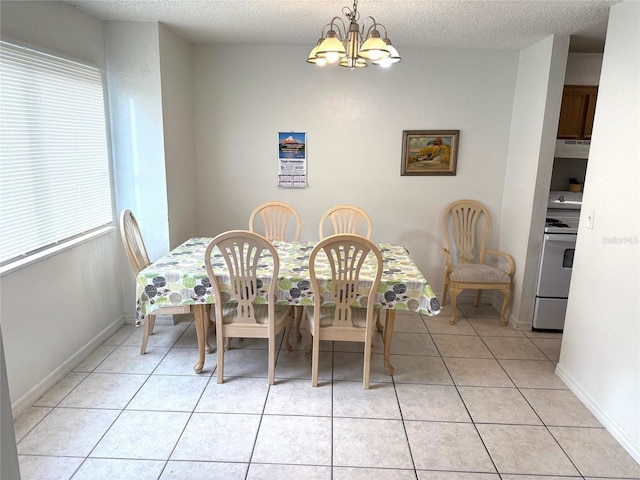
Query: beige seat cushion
{"points": [[230, 310], [358, 316], [477, 273]]}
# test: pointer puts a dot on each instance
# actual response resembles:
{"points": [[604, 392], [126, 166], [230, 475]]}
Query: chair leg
{"points": [[454, 309], [227, 343], [298, 317], [379, 325], [307, 347], [211, 323], [507, 296], [315, 359], [209, 327], [445, 289], [478, 295], [220, 353], [287, 331], [272, 357], [366, 369], [147, 328]]}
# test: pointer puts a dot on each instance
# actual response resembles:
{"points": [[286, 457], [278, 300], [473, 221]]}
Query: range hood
{"points": [[572, 148]]}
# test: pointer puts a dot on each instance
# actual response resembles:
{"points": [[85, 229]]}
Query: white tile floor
{"points": [[469, 401]]}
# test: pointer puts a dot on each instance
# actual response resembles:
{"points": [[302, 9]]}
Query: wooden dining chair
{"points": [[346, 255], [246, 308], [275, 218], [345, 219], [465, 228], [139, 260]]}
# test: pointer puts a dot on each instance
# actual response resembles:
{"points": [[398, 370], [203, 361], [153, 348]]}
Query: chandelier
{"points": [[352, 47]]}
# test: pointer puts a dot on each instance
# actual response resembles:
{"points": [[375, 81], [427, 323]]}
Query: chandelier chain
{"points": [[352, 14]]}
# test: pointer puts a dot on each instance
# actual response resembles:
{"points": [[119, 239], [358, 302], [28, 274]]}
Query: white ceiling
{"points": [[459, 24]]}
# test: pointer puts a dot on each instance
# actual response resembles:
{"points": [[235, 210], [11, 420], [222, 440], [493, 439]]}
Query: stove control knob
{"points": [[561, 199]]}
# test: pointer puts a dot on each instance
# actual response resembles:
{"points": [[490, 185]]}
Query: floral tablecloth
{"points": [[180, 278]]}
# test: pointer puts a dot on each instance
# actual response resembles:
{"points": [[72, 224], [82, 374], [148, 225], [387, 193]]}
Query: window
{"points": [[54, 163]]}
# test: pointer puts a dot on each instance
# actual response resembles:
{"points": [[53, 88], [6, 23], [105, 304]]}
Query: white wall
{"points": [[176, 72], [354, 122], [57, 310], [135, 104], [536, 109], [600, 356], [139, 135], [54, 27], [583, 69]]}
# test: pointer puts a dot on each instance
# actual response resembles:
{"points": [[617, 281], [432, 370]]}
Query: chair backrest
{"points": [[243, 253], [275, 217], [346, 255], [345, 219], [466, 223], [132, 241]]}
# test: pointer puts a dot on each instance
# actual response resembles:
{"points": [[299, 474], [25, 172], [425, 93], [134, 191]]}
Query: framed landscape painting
{"points": [[429, 152]]}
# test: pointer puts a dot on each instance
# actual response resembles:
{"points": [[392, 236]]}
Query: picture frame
{"points": [[429, 152]]}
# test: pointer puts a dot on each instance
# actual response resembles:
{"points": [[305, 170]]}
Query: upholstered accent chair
{"points": [[465, 227]]}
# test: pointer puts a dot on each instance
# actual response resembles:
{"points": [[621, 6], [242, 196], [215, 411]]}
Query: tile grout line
{"points": [[129, 402], [88, 455], [334, 370], [473, 422], [57, 405], [404, 428], [191, 414], [525, 399]]}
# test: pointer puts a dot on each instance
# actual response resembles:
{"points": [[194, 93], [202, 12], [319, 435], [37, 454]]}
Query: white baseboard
{"points": [[522, 325], [629, 444], [129, 319], [59, 373]]}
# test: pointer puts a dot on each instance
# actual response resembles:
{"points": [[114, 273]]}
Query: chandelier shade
{"points": [[374, 48], [312, 55], [390, 60], [331, 48], [353, 47]]}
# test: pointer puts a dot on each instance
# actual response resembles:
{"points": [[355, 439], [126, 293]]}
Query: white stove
{"points": [[562, 221], [556, 262], [563, 212]]}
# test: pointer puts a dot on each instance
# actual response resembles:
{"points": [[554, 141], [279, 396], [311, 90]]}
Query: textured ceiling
{"points": [[460, 24]]}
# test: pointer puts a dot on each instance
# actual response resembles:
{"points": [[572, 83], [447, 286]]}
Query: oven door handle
{"points": [[550, 237]]}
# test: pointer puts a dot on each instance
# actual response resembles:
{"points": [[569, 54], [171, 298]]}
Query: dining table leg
{"points": [[388, 338], [202, 327]]}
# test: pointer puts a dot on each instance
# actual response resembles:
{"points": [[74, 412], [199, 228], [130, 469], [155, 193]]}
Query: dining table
{"points": [[180, 278]]}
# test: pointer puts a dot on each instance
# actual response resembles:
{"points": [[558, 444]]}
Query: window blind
{"points": [[54, 163]]}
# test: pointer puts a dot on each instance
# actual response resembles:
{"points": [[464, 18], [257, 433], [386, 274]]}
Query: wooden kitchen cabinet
{"points": [[577, 111]]}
